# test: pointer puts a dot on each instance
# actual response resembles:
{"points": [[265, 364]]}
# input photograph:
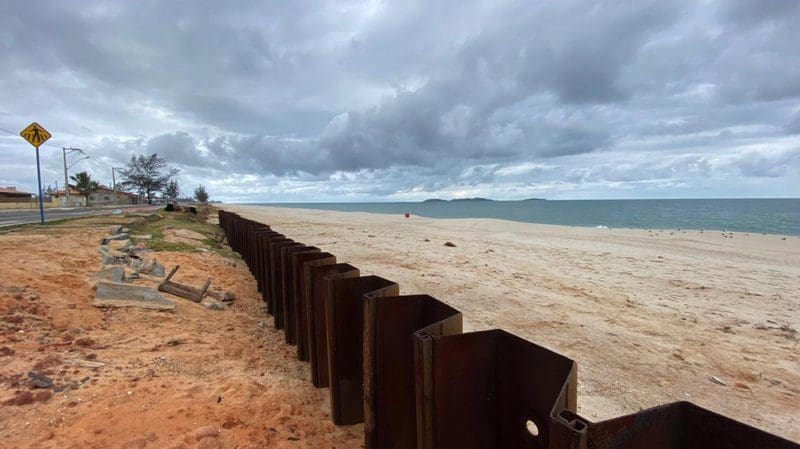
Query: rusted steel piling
{"points": [[402, 365]]}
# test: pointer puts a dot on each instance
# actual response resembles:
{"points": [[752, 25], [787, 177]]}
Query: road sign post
{"points": [[36, 135], [39, 182]]}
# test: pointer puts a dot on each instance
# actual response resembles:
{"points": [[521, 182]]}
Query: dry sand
{"points": [[649, 317]]}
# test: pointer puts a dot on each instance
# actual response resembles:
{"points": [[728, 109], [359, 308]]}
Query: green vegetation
{"points": [[200, 194], [147, 175], [172, 190], [209, 238], [159, 231], [84, 184]]}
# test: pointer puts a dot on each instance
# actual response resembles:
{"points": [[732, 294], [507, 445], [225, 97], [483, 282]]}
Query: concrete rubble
{"points": [[113, 290], [124, 262], [224, 296], [112, 274], [211, 304], [112, 294]]}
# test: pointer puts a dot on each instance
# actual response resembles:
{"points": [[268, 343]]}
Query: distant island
{"points": [[437, 200]]}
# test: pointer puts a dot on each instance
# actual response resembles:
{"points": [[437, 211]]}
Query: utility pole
{"points": [[114, 182], [66, 178]]}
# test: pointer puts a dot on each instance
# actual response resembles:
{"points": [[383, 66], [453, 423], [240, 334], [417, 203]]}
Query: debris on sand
{"points": [[109, 294], [224, 296], [147, 266], [111, 274], [450, 244], [717, 380], [84, 363], [184, 291], [111, 238], [211, 304], [40, 380]]}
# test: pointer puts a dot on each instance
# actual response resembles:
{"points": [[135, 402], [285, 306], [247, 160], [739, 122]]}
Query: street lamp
{"points": [[64, 151]]}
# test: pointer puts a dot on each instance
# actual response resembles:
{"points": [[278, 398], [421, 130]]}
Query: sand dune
{"points": [[650, 317]]}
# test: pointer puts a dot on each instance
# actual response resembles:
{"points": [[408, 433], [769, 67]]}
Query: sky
{"points": [[303, 101]]}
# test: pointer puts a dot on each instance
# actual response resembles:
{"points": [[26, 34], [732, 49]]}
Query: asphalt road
{"points": [[24, 216]]}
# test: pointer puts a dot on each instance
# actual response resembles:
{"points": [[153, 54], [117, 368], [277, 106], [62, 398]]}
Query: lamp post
{"points": [[64, 151], [114, 182]]}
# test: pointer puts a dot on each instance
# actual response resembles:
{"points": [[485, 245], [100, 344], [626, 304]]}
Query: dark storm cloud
{"points": [[366, 99]]}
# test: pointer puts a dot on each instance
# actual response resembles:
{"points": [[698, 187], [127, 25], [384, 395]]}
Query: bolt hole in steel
{"points": [[532, 428]]}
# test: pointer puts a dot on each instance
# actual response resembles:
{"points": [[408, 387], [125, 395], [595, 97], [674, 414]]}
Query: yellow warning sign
{"points": [[35, 134]]}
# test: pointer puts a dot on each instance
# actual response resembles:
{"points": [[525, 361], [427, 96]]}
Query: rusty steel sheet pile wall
{"points": [[322, 289], [301, 265], [403, 366], [289, 284]]}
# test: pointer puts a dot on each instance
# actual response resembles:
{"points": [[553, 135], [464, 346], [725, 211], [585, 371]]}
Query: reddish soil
{"points": [[195, 378]]}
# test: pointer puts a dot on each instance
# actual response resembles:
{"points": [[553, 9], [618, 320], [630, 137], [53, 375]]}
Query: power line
{"points": [[86, 156], [16, 134]]}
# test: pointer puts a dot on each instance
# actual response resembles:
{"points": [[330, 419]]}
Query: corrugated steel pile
{"points": [[401, 365]]}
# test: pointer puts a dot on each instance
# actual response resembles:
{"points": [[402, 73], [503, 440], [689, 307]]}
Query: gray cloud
{"points": [[760, 165], [372, 100], [793, 125]]}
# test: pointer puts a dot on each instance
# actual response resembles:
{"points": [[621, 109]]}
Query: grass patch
{"points": [[158, 230], [163, 245]]}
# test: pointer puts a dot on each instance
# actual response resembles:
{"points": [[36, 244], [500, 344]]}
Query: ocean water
{"points": [[771, 216]]}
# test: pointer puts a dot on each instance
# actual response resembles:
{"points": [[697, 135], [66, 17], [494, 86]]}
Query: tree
{"points": [[84, 184], [147, 175], [172, 190], [200, 194]]}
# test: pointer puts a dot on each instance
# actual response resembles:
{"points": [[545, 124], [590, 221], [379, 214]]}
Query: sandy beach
{"points": [[648, 319], [649, 316]]}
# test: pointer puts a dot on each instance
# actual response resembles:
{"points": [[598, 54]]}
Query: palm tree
{"points": [[84, 184]]}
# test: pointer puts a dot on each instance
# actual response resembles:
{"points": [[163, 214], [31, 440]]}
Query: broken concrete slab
{"points": [[211, 304], [112, 274], [137, 250], [148, 266], [114, 257], [158, 269], [120, 245], [137, 264], [118, 236], [224, 296], [109, 294], [112, 260]]}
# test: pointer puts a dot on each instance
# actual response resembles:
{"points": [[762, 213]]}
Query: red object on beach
{"points": [[407, 215]]}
